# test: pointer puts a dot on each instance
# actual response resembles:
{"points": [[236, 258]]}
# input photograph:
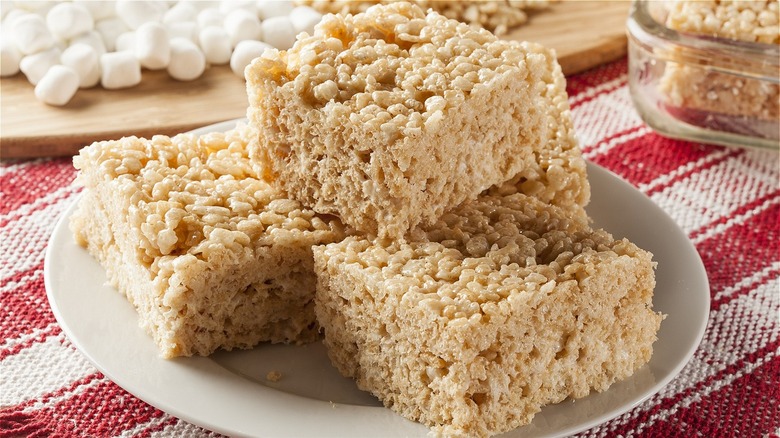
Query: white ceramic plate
{"points": [[228, 392]]}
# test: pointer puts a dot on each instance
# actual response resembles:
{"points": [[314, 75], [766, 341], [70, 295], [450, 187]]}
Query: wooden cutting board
{"points": [[584, 34]]}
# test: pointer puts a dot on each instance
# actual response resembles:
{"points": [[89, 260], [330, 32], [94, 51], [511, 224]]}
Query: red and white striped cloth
{"points": [[726, 200]]}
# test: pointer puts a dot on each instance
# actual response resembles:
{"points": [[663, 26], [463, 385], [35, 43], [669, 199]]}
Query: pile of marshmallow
{"points": [[63, 46]]}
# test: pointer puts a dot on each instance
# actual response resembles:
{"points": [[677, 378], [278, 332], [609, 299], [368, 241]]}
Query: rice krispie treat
{"points": [[703, 89], [558, 173], [496, 16], [752, 21], [391, 117], [501, 307], [210, 256]]}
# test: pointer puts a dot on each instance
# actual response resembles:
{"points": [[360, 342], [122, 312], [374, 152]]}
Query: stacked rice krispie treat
{"points": [[391, 117], [474, 290], [211, 256]]}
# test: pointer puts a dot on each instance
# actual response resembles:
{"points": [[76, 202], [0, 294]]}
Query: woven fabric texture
{"points": [[726, 200]]}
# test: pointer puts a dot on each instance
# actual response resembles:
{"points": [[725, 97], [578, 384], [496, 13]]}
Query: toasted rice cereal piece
{"points": [[210, 256]]}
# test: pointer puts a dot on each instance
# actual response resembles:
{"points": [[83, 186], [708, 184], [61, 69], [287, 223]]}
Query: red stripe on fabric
{"points": [[104, 409], [610, 138], [646, 417], [72, 387], [643, 159], [40, 206], [156, 428], [14, 424], [716, 304], [21, 275], [45, 398], [746, 407], [574, 102], [34, 182], [751, 246], [743, 209], [24, 309], [595, 77], [684, 175], [53, 331]]}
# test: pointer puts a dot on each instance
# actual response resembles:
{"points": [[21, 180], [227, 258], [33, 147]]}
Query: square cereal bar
{"points": [[391, 117], [503, 306], [210, 256], [751, 21], [704, 90]]}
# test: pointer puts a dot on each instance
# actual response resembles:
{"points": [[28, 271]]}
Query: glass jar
{"points": [[702, 88]]}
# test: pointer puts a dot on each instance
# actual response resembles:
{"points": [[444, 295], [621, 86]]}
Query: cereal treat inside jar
{"points": [[502, 306], [210, 256], [702, 91], [391, 117]]}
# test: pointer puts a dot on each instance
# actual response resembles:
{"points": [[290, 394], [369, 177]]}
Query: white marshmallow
{"points": [[5, 6], [11, 16], [36, 65], [183, 29], [119, 70], [9, 58], [187, 61], [210, 17], [45, 8], [152, 46], [34, 5], [61, 44], [126, 42], [109, 29], [244, 53], [31, 34], [58, 86], [137, 12], [243, 25], [273, 8], [67, 20], [180, 12], [215, 43], [304, 19], [91, 38], [83, 59], [200, 5], [99, 9], [279, 32], [228, 6]]}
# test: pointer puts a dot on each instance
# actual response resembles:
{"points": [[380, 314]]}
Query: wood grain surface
{"points": [[583, 33]]}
